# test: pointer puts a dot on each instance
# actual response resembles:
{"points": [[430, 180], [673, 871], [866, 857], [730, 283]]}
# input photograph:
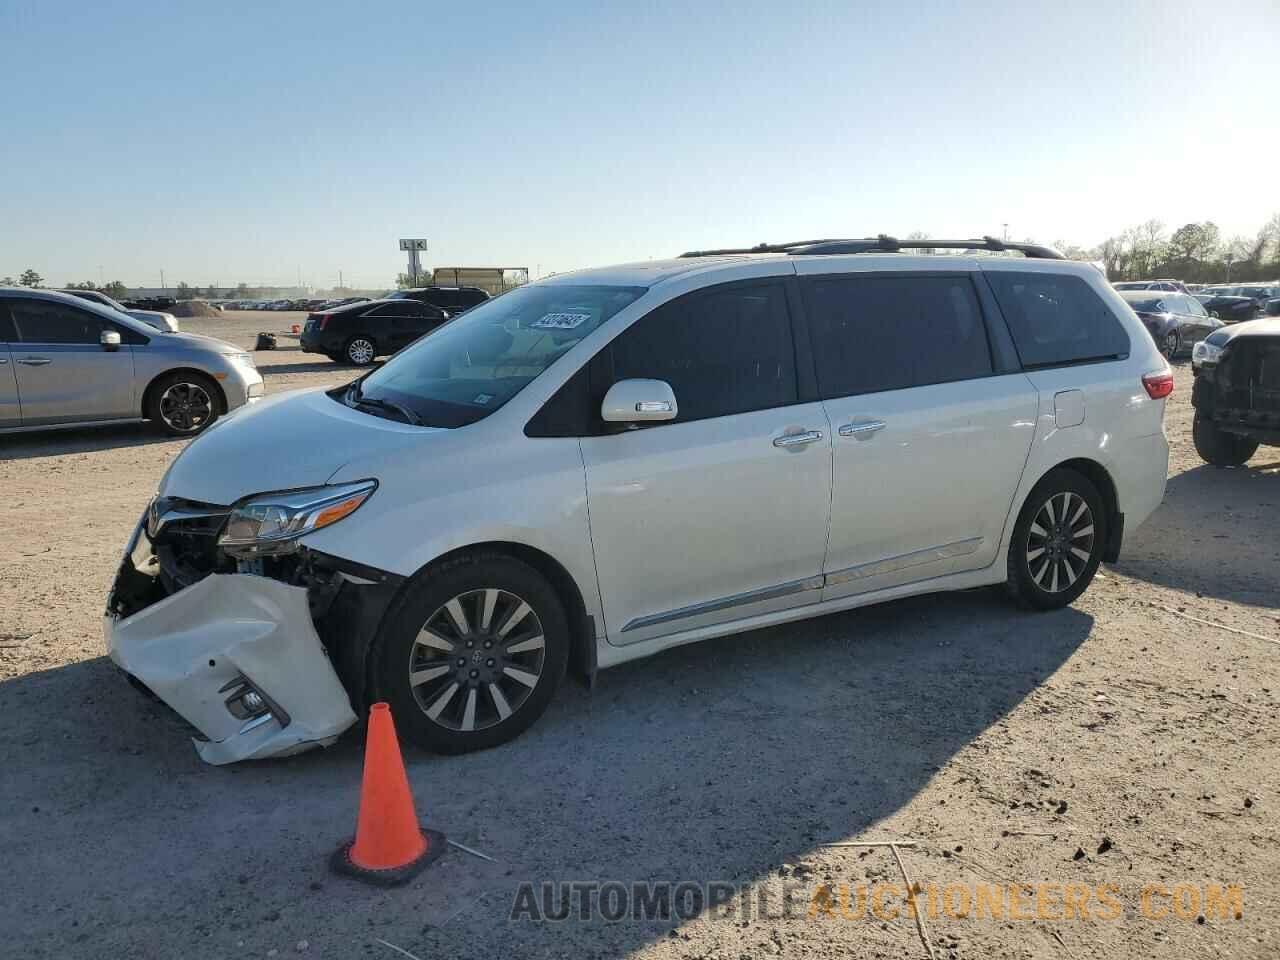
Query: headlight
{"points": [[271, 523], [1205, 352]]}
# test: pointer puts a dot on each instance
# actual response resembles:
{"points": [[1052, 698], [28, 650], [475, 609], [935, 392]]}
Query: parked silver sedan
{"points": [[68, 362]]}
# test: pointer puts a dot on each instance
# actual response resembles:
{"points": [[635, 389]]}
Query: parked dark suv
{"points": [[453, 299], [1237, 392], [359, 333]]}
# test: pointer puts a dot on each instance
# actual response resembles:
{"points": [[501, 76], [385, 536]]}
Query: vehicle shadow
{"points": [[307, 366], [56, 443], [1229, 551], [715, 762]]}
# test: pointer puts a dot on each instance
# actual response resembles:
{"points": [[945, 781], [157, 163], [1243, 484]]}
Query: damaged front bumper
{"points": [[239, 656]]}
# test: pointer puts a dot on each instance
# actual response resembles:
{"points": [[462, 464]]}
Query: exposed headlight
{"points": [[1205, 352], [271, 523]]}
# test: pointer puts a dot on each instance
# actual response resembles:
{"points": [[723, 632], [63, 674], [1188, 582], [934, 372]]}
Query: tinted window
{"points": [[404, 308], [43, 321], [6, 325], [1057, 318], [724, 351], [874, 333]]}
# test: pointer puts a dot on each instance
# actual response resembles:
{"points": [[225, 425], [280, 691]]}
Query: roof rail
{"points": [[886, 244]]}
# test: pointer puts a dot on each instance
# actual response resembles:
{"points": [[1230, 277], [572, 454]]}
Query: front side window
{"points": [[724, 351], [872, 333], [472, 365], [1057, 318], [43, 321]]}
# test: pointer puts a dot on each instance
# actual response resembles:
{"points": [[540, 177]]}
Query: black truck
{"points": [[1236, 393]]}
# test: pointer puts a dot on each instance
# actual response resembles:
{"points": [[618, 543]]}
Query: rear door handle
{"points": [[35, 361], [861, 430], [798, 439]]}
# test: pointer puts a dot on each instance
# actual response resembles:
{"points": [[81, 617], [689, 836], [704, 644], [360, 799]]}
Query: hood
{"points": [[1265, 327], [295, 439], [196, 341]]}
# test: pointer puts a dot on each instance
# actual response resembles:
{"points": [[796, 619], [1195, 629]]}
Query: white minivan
{"points": [[604, 464]]}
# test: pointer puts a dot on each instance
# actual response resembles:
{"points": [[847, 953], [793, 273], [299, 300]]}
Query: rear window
{"points": [[1057, 319], [874, 333]]}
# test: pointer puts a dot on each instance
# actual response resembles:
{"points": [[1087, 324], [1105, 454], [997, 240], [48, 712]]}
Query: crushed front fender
{"points": [[207, 651]]}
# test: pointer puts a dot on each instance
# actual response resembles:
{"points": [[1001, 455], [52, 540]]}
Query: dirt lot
{"points": [[1130, 740]]}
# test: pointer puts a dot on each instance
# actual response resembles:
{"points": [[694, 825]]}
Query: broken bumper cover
{"points": [[238, 657]]}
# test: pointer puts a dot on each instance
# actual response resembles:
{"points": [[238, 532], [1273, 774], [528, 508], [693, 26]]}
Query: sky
{"points": [[269, 142]]}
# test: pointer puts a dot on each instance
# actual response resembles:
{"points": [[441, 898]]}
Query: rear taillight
{"points": [[322, 320], [1159, 384]]}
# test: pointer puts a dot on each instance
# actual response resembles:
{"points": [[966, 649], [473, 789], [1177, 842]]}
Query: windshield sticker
{"points": [[483, 398], [560, 321]]}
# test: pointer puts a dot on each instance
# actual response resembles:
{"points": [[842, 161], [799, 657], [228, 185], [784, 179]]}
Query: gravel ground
{"points": [[1128, 740]]}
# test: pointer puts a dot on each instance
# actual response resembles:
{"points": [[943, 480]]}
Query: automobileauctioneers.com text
{"points": [[613, 901]]}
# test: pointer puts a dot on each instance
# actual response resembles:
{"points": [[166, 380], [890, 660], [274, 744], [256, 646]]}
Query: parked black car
{"points": [[453, 299], [359, 333], [1228, 309], [1236, 394], [1176, 321]]}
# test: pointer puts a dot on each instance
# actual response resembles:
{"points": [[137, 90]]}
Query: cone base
{"points": [[341, 862]]}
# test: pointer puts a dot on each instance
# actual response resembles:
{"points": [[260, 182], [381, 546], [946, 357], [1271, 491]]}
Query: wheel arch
{"points": [[1100, 477], [582, 640], [149, 392]]}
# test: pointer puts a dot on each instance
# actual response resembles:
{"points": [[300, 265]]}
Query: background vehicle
{"points": [[1259, 293], [151, 303], [152, 318], [1237, 392], [454, 299], [1176, 321], [1229, 309], [1176, 286], [359, 333], [65, 361], [575, 472]]}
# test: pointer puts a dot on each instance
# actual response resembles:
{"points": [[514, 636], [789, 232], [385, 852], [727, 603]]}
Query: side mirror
{"points": [[110, 340], [639, 401]]}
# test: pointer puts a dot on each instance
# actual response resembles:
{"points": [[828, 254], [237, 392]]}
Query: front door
{"points": [[721, 514], [63, 372], [931, 436]]}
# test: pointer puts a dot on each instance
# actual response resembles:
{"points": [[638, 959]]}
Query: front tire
{"points": [[1057, 542], [183, 404], [1218, 447], [473, 654]]}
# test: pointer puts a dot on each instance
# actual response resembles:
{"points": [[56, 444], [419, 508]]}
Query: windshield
{"points": [[471, 366]]}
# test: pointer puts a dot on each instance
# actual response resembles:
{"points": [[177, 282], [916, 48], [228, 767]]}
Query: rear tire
{"points": [[478, 687], [1172, 345], [1218, 447], [1057, 542], [360, 351]]}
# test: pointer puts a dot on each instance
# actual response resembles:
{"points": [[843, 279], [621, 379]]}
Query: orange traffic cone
{"points": [[389, 848]]}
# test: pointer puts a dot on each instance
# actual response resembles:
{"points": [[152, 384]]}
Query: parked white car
{"points": [[604, 464]]}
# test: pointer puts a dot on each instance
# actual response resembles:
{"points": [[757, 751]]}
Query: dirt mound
{"points": [[194, 308]]}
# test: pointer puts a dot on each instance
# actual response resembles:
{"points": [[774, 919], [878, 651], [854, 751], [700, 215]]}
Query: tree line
{"points": [[1194, 252]]}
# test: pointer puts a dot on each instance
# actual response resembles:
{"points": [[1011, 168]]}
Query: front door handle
{"points": [[861, 430], [35, 361], [798, 439]]}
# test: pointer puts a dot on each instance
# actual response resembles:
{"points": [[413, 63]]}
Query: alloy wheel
{"points": [[1171, 344], [186, 407], [360, 351], [476, 659], [1061, 542]]}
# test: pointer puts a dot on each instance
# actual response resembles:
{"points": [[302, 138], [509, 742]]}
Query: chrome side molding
{"points": [[946, 551]]}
